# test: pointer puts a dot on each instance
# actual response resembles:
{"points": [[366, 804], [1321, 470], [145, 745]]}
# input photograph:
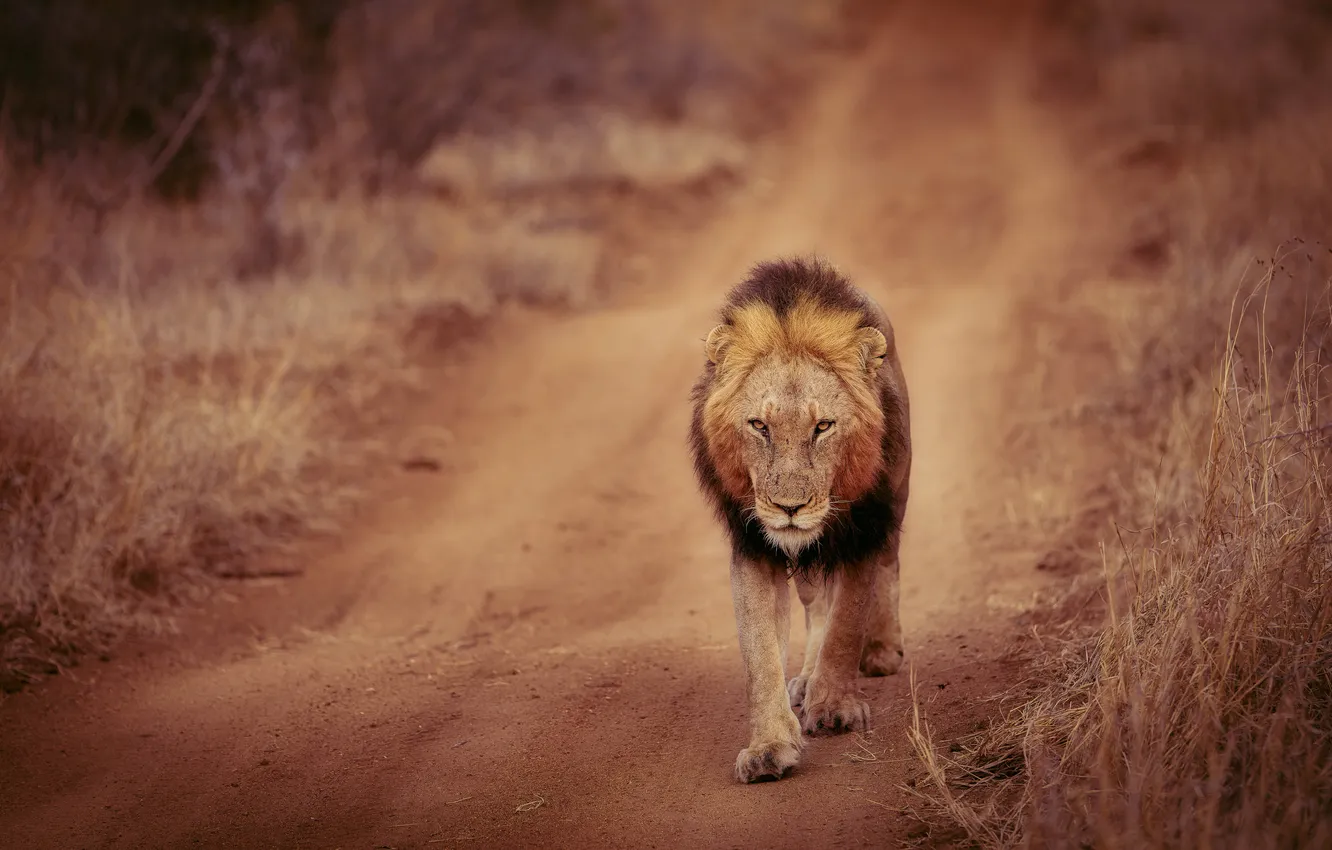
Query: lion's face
{"points": [[793, 421], [789, 415]]}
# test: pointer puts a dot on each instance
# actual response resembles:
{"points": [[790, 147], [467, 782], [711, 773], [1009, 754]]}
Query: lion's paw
{"points": [[774, 752], [766, 762], [833, 711], [880, 659], [795, 689]]}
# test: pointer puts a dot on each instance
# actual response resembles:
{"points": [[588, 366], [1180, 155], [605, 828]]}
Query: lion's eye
{"points": [[758, 425], [823, 425]]}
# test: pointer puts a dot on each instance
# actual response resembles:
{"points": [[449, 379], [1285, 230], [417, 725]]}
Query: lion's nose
{"points": [[792, 510]]}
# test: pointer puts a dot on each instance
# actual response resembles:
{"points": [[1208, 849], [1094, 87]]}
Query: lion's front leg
{"points": [[814, 597], [832, 701], [884, 652], [762, 610]]}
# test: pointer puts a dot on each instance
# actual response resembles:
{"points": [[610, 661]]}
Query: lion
{"points": [[802, 443]]}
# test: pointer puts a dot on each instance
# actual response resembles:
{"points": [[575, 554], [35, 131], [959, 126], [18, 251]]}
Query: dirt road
{"points": [[537, 647]]}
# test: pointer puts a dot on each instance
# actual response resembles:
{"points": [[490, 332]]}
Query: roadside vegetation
{"points": [[232, 232], [1180, 694]]}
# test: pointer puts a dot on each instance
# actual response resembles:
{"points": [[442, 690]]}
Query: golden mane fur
{"points": [[836, 339]]}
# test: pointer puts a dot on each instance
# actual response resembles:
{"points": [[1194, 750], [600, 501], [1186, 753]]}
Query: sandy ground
{"points": [[536, 647]]}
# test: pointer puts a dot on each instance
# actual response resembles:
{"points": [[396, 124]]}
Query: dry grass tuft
{"points": [[1201, 714], [153, 439]]}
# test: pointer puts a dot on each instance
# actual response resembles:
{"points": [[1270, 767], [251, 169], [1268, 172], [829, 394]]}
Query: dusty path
{"points": [[550, 620]]}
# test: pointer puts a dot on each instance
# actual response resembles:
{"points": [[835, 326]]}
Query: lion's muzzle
{"points": [[803, 514]]}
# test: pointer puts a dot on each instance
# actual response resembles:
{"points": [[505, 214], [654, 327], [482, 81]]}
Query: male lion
{"points": [[802, 443]]}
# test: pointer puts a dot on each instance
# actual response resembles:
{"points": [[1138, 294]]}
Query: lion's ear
{"points": [[873, 348], [718, 339]]}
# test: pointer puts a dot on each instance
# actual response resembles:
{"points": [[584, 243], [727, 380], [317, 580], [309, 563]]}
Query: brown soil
{"points": [[534, 645]]}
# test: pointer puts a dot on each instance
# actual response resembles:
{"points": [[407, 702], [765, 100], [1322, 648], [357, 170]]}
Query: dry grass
{"points": [[1201, 714], [1182, 696], [153, 439], [166, 424]]}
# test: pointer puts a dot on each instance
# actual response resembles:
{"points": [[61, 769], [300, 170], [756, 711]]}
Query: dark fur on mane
{"points": [[781, 283], [853, 534]]}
